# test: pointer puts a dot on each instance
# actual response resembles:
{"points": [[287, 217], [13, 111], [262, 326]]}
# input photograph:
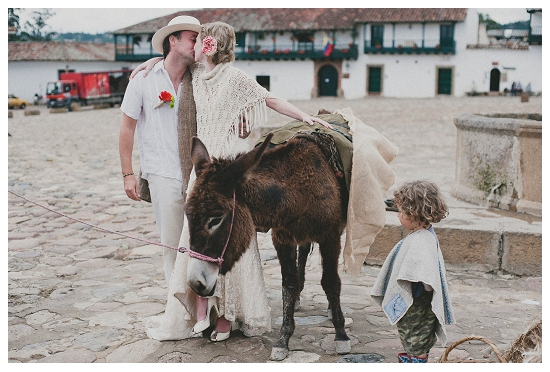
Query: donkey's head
{"points": [[219, 226]]}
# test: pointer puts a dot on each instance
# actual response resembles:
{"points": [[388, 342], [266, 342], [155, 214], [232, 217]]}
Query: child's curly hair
{"points": [[422, 201], [225, 38]]}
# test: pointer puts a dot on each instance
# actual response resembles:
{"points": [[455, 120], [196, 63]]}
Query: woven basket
{"points": [[501, 359]]}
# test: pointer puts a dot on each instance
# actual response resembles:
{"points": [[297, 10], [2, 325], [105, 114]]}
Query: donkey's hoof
{"points": [[343, 347], [278, 353]]}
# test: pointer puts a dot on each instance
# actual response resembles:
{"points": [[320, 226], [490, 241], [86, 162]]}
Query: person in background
{"points": [[412, 285]]}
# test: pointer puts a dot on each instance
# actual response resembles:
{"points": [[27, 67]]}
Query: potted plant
{"points": [[301, 51], [345, 50], [264, 51]]}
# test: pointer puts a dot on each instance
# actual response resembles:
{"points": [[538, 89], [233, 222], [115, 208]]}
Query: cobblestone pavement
{"points": [[78, 294]]}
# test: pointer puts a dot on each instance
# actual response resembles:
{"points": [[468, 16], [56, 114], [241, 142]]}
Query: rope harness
{"points": [[191, 253]]}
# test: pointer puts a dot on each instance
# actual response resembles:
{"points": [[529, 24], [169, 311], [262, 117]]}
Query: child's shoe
{"points": [[415, 359], [403, 358]]}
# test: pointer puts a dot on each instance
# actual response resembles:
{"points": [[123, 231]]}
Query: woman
{"points": [[230, 104]]}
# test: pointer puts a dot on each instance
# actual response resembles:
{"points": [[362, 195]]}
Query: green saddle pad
{"points": [[341, 135]]}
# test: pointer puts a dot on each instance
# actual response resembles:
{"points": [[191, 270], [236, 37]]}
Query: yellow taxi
{"points": [[14, 101]]}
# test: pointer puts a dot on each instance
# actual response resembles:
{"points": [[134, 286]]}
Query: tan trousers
{"points": [[167, 200]]}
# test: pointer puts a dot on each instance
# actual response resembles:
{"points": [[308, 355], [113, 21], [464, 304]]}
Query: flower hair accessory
{"points": [[209, 46], [166, 97]]}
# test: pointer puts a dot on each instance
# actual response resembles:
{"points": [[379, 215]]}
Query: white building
{"points": [[387, 52]]}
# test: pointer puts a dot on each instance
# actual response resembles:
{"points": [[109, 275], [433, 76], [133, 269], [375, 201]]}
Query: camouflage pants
{"points": [[417, 327]]}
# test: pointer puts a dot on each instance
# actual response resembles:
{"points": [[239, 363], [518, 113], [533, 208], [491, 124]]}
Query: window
{"points": [[377, 35], [240, 39], [263, 80], [305, 40], [446, 35]]}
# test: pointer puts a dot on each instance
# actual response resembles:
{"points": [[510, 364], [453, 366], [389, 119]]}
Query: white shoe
{"points": [[205, 323], [219, 336]]}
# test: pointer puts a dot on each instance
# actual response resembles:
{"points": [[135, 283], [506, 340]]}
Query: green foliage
{"points": [[489, 180], [491, 24], [36, 30]]}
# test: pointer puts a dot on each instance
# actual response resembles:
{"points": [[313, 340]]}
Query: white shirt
{"points": [[156, 127]]}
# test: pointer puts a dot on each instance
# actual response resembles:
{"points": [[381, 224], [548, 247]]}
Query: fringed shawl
{"points": [[229, 102]]}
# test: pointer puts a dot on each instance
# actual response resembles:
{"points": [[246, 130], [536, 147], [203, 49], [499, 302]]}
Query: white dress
{"points": [[224, 97]]}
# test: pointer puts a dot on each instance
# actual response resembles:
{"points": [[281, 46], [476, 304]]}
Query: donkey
{"points": [[290, 189]]}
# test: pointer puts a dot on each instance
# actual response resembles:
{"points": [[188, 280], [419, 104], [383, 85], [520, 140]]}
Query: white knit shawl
{"points": [[224, 97]]}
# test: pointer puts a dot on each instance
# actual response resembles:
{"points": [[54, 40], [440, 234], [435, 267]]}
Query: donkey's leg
{"points": [[290, 286], [330, 281], [303, 252]]}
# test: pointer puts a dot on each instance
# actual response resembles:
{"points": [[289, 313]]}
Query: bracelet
{"points": [[128, 174]]}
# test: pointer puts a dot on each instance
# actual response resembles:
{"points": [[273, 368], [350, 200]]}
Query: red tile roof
{"points": [[279, 19], [60, 51]]}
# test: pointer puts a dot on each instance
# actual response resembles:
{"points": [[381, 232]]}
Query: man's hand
{"points": [[131, 187]]}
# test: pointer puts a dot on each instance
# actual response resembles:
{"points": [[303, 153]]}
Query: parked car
{"points": [[14, 101]]}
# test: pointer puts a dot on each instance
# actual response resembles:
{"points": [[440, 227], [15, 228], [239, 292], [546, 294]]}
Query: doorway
{"points": [[444, 80], [328, 81], [374, 78], [494, 84]]}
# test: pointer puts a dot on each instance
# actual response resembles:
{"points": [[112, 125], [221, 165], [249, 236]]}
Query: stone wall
{"points": [[499, 161]]}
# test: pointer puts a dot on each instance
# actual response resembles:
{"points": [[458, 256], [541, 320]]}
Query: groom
{"points": [[165, 124]]}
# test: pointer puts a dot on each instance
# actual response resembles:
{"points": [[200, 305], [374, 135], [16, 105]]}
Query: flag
{"points": [[328, 49], [328, 46]]}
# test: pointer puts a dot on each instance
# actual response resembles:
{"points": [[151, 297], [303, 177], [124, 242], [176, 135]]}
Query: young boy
{"points": [[412, 285]]}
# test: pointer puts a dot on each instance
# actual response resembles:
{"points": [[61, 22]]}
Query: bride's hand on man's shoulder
{"points": [[147, 66]]}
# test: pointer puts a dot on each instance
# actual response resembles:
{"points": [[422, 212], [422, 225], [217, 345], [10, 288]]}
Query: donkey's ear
{"points": [[243, 165], [199, 155]]}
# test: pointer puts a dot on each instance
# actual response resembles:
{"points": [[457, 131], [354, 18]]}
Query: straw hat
{"points": [[179, 23]]}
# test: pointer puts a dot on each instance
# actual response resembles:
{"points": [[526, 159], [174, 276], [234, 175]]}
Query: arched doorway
{"points": [[328, 81], [494, 85]]}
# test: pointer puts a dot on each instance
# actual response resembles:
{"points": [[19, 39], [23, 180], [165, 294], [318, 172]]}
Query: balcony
{"points": [[293, 52], [436, 46], [535, 35]]}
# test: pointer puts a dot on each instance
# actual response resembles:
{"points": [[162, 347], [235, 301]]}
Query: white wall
{"points": [[524, 66], [25, 78], [292, 80]]}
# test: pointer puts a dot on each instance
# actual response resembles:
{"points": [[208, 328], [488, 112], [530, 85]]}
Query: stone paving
{"points": [[78, 294]]}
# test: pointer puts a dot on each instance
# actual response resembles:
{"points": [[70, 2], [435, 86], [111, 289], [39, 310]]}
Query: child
{"points": [[412, 285]]}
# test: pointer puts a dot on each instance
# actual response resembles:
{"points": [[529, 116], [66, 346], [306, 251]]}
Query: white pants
{"points": [[167, 200]]}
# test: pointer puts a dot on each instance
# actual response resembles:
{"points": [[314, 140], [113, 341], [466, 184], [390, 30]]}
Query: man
{"points": [[152, 105]]}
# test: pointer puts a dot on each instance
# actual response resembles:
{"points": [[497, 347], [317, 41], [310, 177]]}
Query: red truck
{"points": [[87, 88]]}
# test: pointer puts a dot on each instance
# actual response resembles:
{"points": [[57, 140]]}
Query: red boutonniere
{"points": [[166, 97]]}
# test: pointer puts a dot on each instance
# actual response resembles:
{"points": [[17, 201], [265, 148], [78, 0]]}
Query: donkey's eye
{"points": [[214, 222]]}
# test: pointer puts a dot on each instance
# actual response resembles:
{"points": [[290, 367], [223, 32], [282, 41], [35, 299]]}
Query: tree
{"points": [[13, 23], [36, 31], [13, 17], [491, 24]]}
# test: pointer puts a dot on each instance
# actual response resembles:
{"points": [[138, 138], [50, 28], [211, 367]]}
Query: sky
{"points": [[105, 19]]}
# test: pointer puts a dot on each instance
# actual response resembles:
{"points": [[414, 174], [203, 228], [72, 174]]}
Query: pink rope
{"points": [[191, 253]]}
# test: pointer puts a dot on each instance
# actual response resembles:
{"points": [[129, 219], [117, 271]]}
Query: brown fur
{"points": [[291, 190]]}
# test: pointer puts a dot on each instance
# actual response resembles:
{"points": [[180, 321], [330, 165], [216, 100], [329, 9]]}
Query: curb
{"points": [[471, 247]]}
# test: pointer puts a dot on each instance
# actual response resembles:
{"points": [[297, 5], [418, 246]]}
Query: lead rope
{"points": [[191, 253]]}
